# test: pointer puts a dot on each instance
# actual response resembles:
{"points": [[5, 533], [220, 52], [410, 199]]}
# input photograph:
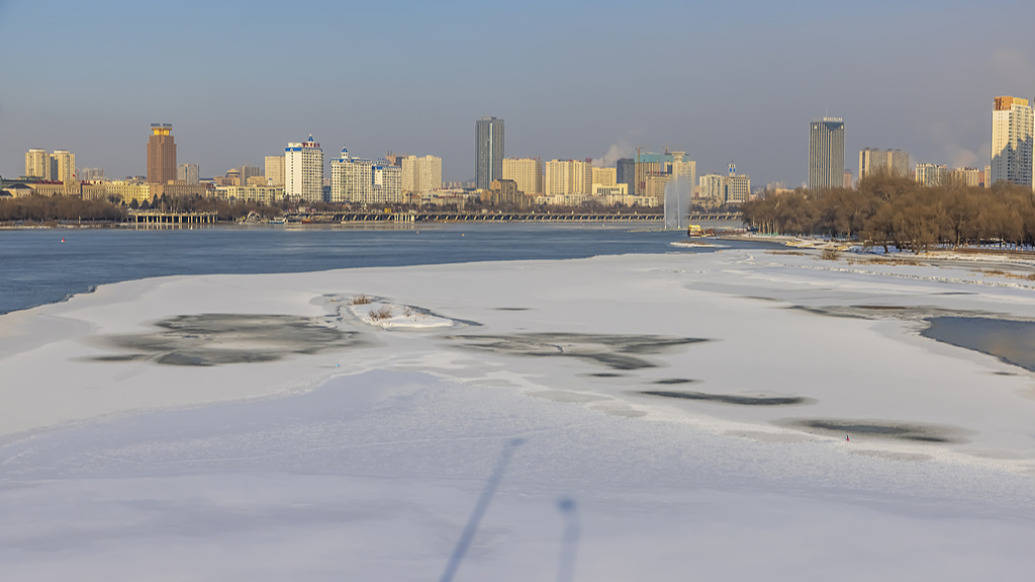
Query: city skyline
{"points": [[228, 110]]}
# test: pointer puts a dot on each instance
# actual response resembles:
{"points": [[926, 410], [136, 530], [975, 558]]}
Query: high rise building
{"points": [[930, 175], [826, 153], [303, 170], [1012, 130], [161, 154], [654, 171], [625, 173], [247, 172], [364, 181], [275, 170], [738, 189], [874, 162], [526, 172], [63, 166], [37, 164], [568, 177], [421, 174], [488, 147], [188, 173]]}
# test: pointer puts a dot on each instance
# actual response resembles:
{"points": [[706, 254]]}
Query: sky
{"points": [[731, 81]]}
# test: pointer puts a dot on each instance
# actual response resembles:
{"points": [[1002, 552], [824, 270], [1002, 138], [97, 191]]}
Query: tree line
{"points": [[890, 211]]}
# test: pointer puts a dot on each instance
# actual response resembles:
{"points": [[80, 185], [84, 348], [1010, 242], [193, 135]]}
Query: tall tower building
{"points": [[188, 173], [1012, 141], [625, 170], [826, 153], [37, 164], [526, 172], [488, 148], [303, 170], [568, 177], [275, 170], [161, 154]]}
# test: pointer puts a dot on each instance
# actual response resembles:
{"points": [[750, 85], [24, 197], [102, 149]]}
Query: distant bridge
{"points": [[155, 218], [420, 216]]}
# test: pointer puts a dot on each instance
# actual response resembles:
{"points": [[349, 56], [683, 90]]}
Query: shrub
{"points": [[381, 313], [360, 300]]}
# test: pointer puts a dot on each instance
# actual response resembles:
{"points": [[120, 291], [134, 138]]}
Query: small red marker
{"points": [[62, 239]]}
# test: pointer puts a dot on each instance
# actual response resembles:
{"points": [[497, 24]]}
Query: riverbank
{"points": [[759, 397]]}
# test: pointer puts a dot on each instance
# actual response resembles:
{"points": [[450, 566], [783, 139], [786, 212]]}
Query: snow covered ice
{"points": [[692, 406]]}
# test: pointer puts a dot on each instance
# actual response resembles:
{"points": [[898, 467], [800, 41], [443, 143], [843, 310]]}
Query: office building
{"points": [[303, 170], [738, 189], [161, 154], [363, 181], [420, 174], [488, 147], [931, 175], [1012, 131], [188, 173], [625, 173], [275, 170], [826, 153], [526, 172], [568, 177], [873, 162]]}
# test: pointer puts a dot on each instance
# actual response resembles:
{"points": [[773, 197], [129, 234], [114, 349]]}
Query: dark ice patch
{"points": [[212, 339], [620, 352], [924, 433], [730, 398]]}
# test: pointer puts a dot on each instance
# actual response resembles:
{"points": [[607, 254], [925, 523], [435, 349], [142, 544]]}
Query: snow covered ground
{"points": [[692, 406]]}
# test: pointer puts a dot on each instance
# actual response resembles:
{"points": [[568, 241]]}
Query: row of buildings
{"points": [[1013, 142]]}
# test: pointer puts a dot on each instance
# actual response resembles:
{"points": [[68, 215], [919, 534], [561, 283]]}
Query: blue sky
{"points": [[723, 81]]}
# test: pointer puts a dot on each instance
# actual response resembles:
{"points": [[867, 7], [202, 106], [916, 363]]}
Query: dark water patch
{"points": [[880, 307], [924, 433], [605, 375], [620, 352], [674, 381], [1011, 341], [1005, 373], [730, 398], [227, 338], [513, 308]]}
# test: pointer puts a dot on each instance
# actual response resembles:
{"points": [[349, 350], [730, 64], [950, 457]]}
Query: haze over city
{"points": [[735, 82]]}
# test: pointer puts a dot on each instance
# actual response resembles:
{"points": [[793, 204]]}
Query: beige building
{"points": [[527, 172], [873, 162], [261, 194], [37, 164], [612, 190], [969, 177], [421, 174], [930, 175], [63, 165], [605, 176], [275, 170], [568, 177], [1013, 131]]}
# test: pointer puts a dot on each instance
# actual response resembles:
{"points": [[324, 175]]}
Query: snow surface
{"points": [[364, 461]]}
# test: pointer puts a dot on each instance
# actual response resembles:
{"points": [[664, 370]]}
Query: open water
{"points": [[37, 268]]}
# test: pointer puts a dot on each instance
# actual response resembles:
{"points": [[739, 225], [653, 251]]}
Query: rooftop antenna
{"points": [[479, 510]]}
